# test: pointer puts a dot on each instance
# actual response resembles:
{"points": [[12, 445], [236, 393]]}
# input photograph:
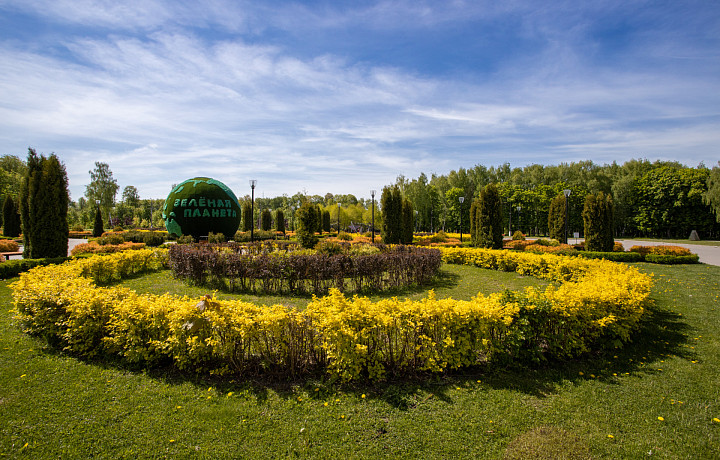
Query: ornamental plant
{"points": [[598, 219], [308, 220]]}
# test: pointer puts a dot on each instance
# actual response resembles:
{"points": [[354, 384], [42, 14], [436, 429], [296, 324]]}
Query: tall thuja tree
{"points": [[98, 225], [280, 221], [556, 219], [266, 220], [598, 219], [247, 217], [307, 223], [11, 218], [489, 218], [391, 202], [326, 221], [44, 205], [408, 214]]}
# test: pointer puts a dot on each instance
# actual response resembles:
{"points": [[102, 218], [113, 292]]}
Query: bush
{"points": [[618, 247], [110, 238], [216, 238], [345, 236], [627, 257], [597, 214], [12, 268], [186, 239], [9, 246], [94, 248], [672, 260], [546, 242], [518, 236], [662, 250], [329, 248]]}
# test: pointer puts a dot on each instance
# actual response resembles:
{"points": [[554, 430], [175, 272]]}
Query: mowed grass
{"points": [[658, 396]]}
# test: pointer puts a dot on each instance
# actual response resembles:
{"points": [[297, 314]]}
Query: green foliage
{"points": [[266, 220], [518, 236], [670, 201], [712, 196], [392, 216], [556, 218], [329, 248], [44, 199], [326, 221], [307, 222], [12, 268], [98, 228], [216, 238], [627, 257], [598, 214], [672, 260], [102, 187], [488, 218], [280, 221], [11, 218], [408, 215], [247, 216]]}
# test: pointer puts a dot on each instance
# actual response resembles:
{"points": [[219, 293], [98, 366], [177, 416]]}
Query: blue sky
{"points": [[342, 97]]}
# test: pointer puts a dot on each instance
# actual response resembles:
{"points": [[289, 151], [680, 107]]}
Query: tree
{"points": [[44, 200], [98, 225], [326, 221], [556, 219], [391, 203], [307, 222], [280, 221], [408, 215], [489, 218], [102, 188], [130, 196], [598, 219], [712, 196], [11, 218], [247, 218], [266, 220]]}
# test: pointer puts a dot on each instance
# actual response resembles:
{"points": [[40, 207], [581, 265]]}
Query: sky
{"points": [[344, 96]]}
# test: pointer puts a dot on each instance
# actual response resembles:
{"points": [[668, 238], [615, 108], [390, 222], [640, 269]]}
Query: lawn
{"points": [[658, 396]]}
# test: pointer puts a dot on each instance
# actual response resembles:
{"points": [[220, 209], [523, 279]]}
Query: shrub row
{"points": [[350, 338], [11, 268], [94, 248], [232, 267]]}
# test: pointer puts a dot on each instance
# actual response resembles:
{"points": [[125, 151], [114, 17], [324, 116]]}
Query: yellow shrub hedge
{"points": [[349, 337]]}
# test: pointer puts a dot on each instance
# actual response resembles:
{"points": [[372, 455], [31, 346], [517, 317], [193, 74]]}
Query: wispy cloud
{"points": [[164, 90]]}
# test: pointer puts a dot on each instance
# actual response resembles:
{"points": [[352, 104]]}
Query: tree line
{"points": [[651, 199]]}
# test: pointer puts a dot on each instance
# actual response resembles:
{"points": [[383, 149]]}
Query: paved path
{"points": [[708, 254]]}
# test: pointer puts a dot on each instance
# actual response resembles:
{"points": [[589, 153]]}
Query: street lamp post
{"points": [[372, 194], [462, 199], [253, 182], [566, 192], [510, 223]]}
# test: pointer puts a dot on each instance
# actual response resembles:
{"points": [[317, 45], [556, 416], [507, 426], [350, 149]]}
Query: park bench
{"points": [[10, 254]]}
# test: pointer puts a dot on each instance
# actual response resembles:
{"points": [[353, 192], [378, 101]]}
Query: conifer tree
{"points": [[489, 218], [598, 219], [391, 202], [266, 220], [280, 221], [408, 214], [307, 223], [44, 200], [11, 219], [556, 219], [247, 218], [98, 224]]}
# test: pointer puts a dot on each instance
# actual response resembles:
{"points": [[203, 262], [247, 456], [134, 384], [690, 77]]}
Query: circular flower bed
{"points": [[595, 302]]}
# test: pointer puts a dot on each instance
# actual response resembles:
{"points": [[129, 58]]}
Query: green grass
{"points": [[456, 281], [57, 406]]}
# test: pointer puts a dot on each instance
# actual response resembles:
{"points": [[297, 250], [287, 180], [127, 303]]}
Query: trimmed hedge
{"points": [[627, 257], [672, 260], [236, 267], [12, 268]]}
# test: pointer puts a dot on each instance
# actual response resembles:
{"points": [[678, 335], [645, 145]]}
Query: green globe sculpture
{"points": [[199, 206]]}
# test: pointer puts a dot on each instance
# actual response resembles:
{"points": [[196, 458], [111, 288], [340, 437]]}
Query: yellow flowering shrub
{"points": [[352, 338]]}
